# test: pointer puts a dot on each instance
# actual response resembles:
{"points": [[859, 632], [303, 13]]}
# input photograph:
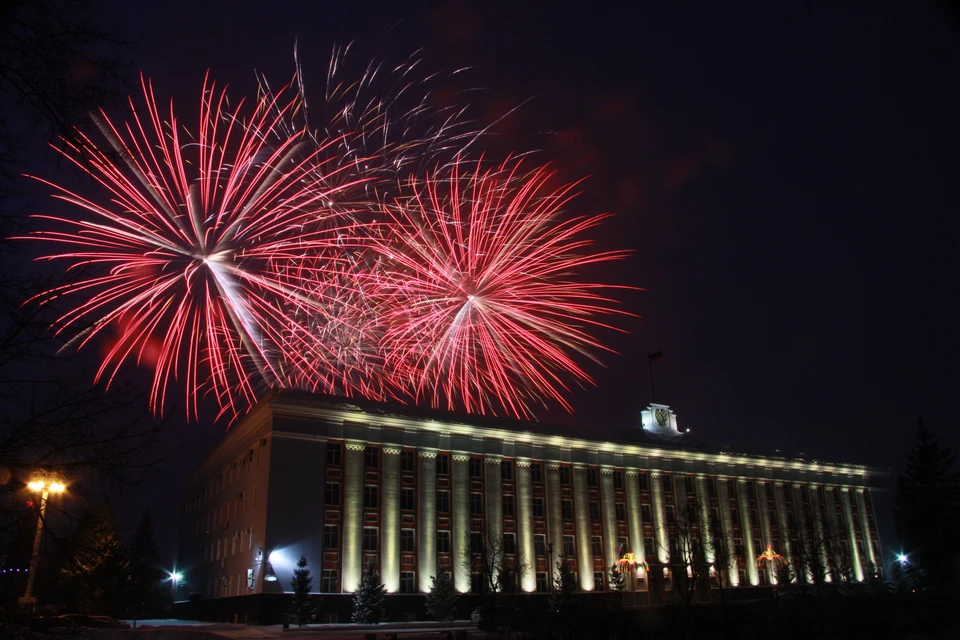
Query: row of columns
{"points": [[427, 521]]}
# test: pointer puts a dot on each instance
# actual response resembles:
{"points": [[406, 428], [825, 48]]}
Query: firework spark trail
{"points": [[194, 242], [482, 306]]}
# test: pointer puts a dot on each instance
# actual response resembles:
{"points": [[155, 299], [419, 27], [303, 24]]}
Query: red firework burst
{"points": [[482, 306], [191, 257]]}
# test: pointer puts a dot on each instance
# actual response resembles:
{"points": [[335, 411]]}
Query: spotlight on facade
{"points": [[902, 559], [176, 576]]}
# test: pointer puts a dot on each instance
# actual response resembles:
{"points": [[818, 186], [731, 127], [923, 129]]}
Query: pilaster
{"points": [[461, 522], [607, 494], [582, 515], [851, 534], [390, 513], [352, 496], [528, 579], [427, 522], [746, 529], [554, 517]]}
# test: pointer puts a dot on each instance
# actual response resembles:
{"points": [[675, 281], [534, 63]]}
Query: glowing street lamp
{"points": [[45, 487], [902, 558]]}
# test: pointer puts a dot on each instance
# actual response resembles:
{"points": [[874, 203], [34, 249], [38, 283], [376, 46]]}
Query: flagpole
{"points": [[653, 391]]}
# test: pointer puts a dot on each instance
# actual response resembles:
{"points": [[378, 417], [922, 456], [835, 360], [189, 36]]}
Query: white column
{"points": [[726, 525], [634, 515], [607, 494], [554, 517], [352, 495], [746, 528], [766, 537], [659, 518], [582, 514], [390, 534], [427, 522], [528, 579], [461, 523], [819, 535], [703, 510], [494, 501], [804, 531], [865, 528], [781, 503], [851, 534], [834, 528]]}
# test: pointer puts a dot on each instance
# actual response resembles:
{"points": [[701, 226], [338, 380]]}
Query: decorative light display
{"points": [[772, 557]]}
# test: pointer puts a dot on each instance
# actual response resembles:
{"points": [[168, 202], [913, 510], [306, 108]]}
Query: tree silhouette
{"points": [[302, 609], [368, 601], [146, 574]]}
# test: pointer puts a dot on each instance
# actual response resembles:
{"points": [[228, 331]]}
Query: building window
{"points": [[443, 501], [645, 513], [443, 541], [542, 583], [569, 548], [331, 536], [688, 485], [407, 499], [622, 545], [598, 581], [714, 516], [334, 452], [476, 504], [644, 482], [408, 540], [712, 487], [506, 470], [738, 546], [618, 479], [734, 516], [371, 457], [332, 494], [621, 509], [538, 508], [539, 544], [565, 476], [751, 491], [476, 542], [741, 578], [329, 582], [667, 483], [592, 478], [536, 472], [408, 582], [408, 461], [508, 506], [566, 509], [671, 514], [510, 543], [596, 545], [443, 464], [476, 583], [476, 467], [648, 547], [369, 538], [594, 510], [371, 497]]}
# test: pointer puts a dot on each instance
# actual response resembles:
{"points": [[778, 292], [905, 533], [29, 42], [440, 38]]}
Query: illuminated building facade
{"points": [[415, 491]]}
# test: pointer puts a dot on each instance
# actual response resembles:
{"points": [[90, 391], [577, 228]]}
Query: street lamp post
{"points": [[45, 487]]}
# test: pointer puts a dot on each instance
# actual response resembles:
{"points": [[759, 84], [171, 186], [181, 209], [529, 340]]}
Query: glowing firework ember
{"points": [[191, 256], [481, 303]]}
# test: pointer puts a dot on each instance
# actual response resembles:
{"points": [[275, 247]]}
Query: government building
{"points": [[415, 491]]}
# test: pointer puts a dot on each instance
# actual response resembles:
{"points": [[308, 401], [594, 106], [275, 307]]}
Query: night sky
{"points": [[786, 178]]}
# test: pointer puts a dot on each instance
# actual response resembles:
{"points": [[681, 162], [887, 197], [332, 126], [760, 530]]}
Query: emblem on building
{"points": [[661, 415]]}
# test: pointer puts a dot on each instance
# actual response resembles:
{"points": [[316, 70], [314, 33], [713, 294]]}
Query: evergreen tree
{"points": [[146, 573], [442, 599], [565, 584], [302, 609], [926, 510], [96, 571], [617, 580], [369, 598]]}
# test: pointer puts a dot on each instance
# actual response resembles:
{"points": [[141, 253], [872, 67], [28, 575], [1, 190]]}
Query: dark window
{"points": [[506, 470], [688, 485], [443, 541], [621, 511], [569, 548], [443, 501], [597, 581], [566, 509], [332, 494], [644, 482], [596, 546], [645, 513], [671, 514], [565, 476], [477, 583], [408, 461], [476, 504], [408, 580], [712, 487], [757, 549], [738, 546], [741, 577], [331, 536], [667, 484], [618, 479], [539, 544], [510, 543], [443, 464], [408, 540], [536, 472], [407, 499], [508, 506], [371, 457], [751, 492], [538, 508], [371, 497], [803, 492], [592, 478], [476, 542], [753, 517], [329, 582], [369, 538], [334, 452], [594, 510], [714, 516], [648, 548], [542, 584], [476, 467], [734, 516]]}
